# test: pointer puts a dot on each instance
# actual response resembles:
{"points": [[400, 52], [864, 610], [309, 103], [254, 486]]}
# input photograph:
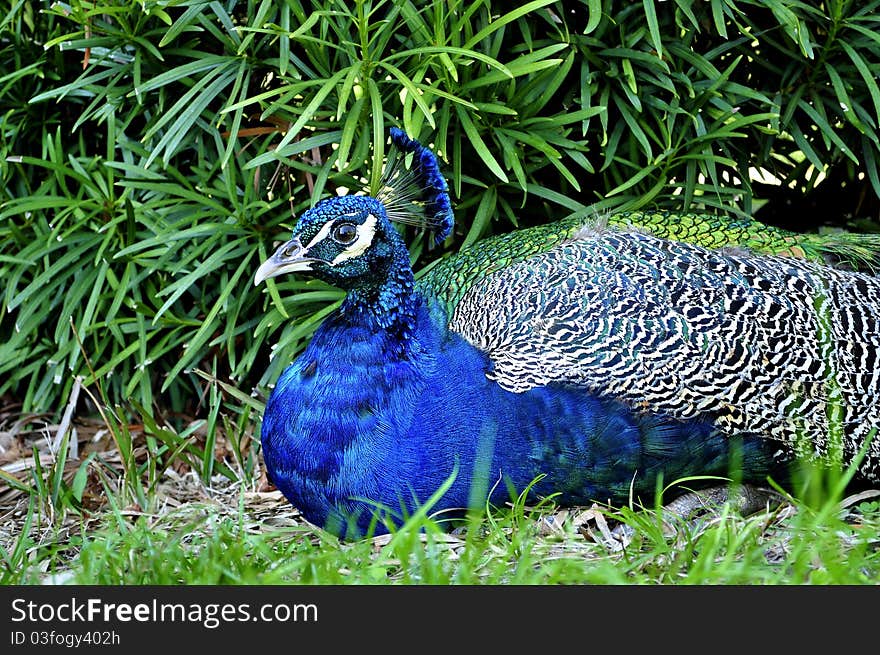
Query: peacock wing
{"points": [[767, 345]]}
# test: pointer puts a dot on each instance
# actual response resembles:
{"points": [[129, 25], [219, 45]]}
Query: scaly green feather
{"points": [[452, 277]]}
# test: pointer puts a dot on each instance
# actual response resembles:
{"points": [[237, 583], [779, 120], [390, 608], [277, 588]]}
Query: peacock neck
{"points": [[387, 306]]}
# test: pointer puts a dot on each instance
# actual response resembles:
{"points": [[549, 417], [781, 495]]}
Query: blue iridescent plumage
{"points": [[589, 356]]}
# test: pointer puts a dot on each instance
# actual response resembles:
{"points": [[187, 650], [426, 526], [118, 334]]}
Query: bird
{"points": [[588, 360]]}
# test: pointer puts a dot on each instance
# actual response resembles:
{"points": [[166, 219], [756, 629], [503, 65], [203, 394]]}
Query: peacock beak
{"points": [[289, 257]]}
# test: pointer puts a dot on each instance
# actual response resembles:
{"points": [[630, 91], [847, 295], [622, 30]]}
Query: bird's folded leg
{"points": [[746, 499], [696, 506]]}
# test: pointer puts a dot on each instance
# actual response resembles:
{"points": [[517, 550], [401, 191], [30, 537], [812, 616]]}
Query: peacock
{"points": [[590, 359]]}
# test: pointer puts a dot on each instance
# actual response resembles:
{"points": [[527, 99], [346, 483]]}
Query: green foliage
{"points": [[154, 150]]}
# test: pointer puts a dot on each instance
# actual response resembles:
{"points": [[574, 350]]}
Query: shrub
{"points": [[154, 150]]}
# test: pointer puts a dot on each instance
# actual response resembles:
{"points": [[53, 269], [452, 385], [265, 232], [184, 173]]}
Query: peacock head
{"points": [[347, 241], [350, 241]]}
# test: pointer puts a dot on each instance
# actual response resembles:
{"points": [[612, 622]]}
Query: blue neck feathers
{"points": [[385, 307]]}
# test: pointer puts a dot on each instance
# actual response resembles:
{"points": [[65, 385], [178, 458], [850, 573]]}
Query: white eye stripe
{"points": [[365, 233], [321, 235]]}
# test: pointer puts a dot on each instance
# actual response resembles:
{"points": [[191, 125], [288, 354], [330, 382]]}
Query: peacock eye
{"points": [[344, 234]]}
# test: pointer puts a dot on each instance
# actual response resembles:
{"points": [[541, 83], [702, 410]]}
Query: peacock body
{"points": [[597, 357]]}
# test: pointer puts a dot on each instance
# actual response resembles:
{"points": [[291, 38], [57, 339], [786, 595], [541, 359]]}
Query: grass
{"points": [[229, 532], [217, 544]]}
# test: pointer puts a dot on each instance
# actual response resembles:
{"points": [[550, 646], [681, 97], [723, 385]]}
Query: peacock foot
{"points": [[687, 513]]}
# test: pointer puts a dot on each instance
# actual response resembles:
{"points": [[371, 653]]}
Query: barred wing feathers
{"points": [[761, 344]]}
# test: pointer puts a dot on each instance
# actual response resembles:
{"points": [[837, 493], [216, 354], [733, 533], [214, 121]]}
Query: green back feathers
{"points": [[846, 249], [449, 279]]}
